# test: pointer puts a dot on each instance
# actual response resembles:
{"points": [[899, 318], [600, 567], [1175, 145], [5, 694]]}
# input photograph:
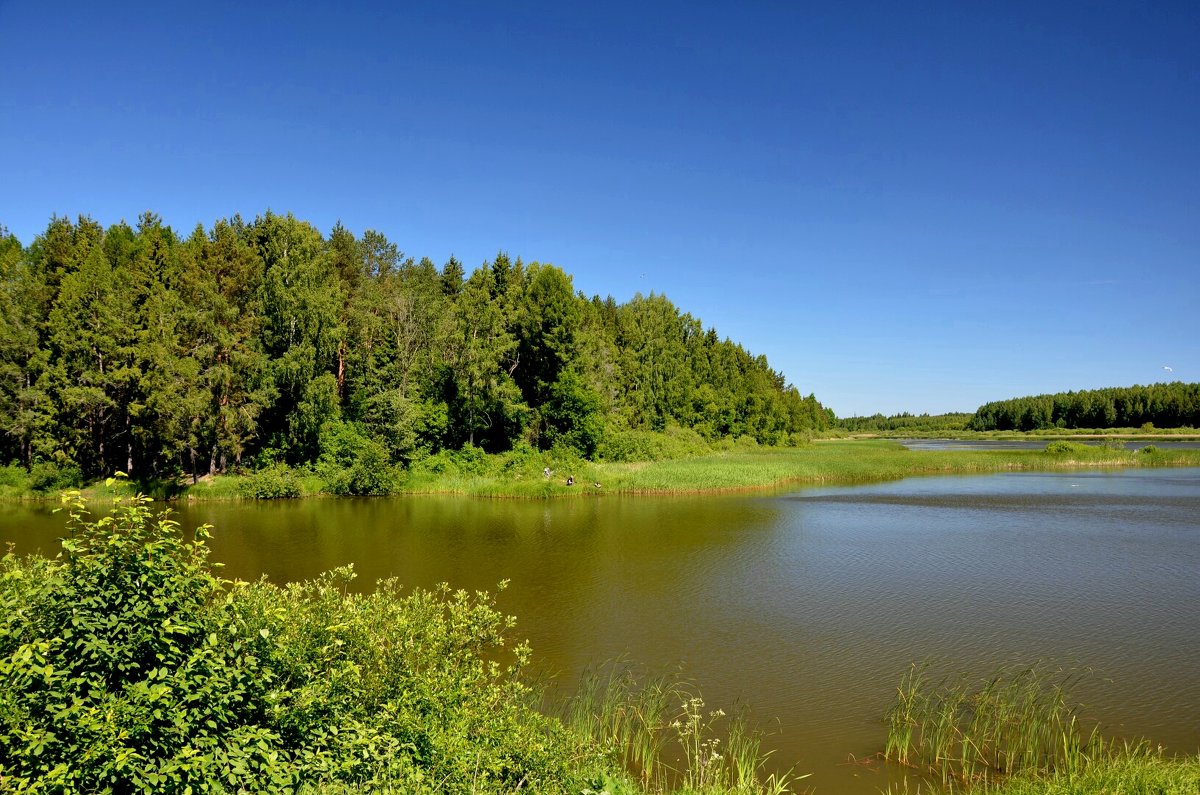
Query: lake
{"points": [[807, 605]]}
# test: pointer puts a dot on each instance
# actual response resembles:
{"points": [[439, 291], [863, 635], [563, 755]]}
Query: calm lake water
{"points": [[807, 606]]}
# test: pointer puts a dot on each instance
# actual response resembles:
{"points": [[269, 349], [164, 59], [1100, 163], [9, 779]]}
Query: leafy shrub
{"points": [[1068, 448], [126, 665], [470, 460], [123, 668], [47, 476], [639, 445], [13, 476], [352, 462], [272, 483]]}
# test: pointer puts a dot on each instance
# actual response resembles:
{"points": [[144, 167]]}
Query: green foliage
{"points": [[572, 415], [136, 350], [353, 463], [122, 667], [1019, 719], [671, 443], [1062, 447], [47, 476], [1136, 769], [1164, 405], [274, 482], [126, 665], [659, 731], [905, 423]]}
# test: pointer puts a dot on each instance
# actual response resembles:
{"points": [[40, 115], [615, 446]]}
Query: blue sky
{"points": [[905, 207]]}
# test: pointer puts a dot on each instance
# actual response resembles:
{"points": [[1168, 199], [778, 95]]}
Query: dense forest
{"points": [[1173, 405], [137, 349], [905, 422]]}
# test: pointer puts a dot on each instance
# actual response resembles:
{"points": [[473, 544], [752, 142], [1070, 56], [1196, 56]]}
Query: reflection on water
{"points": [[808, 606]]}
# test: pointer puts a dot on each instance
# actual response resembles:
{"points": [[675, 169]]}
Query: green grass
{"points": [[1019, 733], [1134, 770], [736, 466], [829, 462], [658, 729], [1019, 720]]}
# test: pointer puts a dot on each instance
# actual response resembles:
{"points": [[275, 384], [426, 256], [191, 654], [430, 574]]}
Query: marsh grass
{"points": [[1135, 769], [520, 474], [1019, 720], [1127, 769], [659, 729]]}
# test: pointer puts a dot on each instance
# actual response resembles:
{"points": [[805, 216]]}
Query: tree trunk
{"points": [[341, 376], [128, 444]]}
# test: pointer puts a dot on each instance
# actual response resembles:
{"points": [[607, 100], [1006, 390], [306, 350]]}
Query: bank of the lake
{"points": [[739, 469], [530, 474]]}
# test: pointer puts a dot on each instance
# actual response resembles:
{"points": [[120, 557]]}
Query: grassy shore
{"points": [[521, 474], [858, 461], [1019, 732]]}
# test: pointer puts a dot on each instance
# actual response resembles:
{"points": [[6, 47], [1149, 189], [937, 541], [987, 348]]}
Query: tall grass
{"points": [[1136, 769], [1020, 720], [659, 730], [1128, 769]]}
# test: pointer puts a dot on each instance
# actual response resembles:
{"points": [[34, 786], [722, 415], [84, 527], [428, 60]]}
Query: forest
{"points": [[1174, 405], [140, 350], [905, 423]]}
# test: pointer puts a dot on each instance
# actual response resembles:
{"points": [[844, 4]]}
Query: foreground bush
{"points": [[127, 665]]}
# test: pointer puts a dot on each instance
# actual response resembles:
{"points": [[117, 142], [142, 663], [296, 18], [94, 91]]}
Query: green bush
{"points": [[1069, 448], [126, 665], [13, 476], [123, 668], [272, 483], [639, 445], [47, 476], [353, 463]]}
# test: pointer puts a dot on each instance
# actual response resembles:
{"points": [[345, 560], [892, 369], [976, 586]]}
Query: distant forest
{"points": [[899, 423], [1173, 405], [140, 350]]}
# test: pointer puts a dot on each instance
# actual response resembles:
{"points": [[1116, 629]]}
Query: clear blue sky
{"points": [[906, 207]]}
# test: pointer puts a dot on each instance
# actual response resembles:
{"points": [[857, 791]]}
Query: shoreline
{"points": [[736, 471]]}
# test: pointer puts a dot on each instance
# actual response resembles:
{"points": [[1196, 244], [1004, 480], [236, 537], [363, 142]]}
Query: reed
{"points": [[1128, 769], [1020, 720], [659, 730]]}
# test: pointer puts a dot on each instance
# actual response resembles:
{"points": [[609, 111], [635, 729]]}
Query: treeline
{"points": [[136, 349], [1171, 405], [905, 422]]}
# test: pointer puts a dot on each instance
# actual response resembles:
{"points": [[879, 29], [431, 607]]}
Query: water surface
{"points": [[807, 606]]}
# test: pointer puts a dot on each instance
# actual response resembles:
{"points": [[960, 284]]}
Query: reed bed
{"points": [[1129, 769], [1135, 769], [659, 730], [1020, 720]]}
